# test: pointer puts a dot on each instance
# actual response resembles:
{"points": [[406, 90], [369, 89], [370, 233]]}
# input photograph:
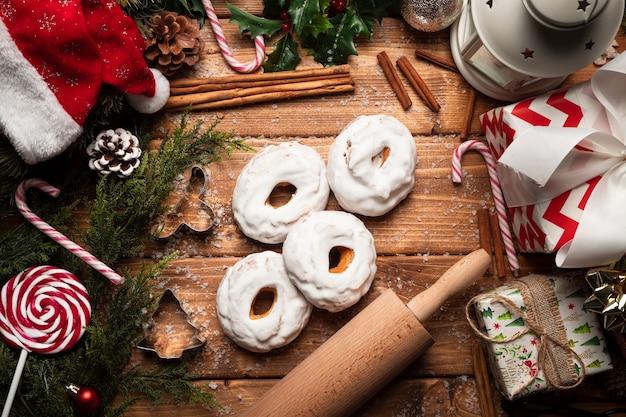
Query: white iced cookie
{"points": [[258, 307], [371, 165], [296, 173], [330, 256]]}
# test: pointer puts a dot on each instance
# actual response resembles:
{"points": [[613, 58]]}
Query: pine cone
{"points": [[173, 42], [114, 151]]}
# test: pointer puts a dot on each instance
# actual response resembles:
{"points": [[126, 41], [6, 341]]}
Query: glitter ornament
{"points": [[430, 15]]}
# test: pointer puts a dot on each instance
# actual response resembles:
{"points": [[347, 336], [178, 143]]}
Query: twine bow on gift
{"points": [[555, 357], [543, 163]]}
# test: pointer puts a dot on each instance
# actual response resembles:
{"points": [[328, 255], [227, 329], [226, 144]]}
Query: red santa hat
{"points": [[54, 57]]}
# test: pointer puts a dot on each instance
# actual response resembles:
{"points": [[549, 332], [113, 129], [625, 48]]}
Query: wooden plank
{"points": [[428, 397], [326, 116], [438, 217], [194, 281], [416, 242]]}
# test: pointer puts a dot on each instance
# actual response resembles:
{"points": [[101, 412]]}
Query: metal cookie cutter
{"points": [[169, 333], [189, 210]]}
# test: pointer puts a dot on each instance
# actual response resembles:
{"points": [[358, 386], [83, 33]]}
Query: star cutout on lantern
{"points": [[528, 53], [490, 3], [589, 45], [608, 297], [582, 5]]}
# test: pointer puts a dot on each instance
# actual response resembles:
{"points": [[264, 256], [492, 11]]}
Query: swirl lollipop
{"points": [[43, 309]]}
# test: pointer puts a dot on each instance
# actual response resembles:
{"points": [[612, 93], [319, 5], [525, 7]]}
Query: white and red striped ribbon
{"points": [[44, 309], [61, 239], [496, 190], [259, 44]]}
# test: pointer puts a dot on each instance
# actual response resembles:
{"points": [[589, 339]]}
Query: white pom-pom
{"points": [[149, 105]]}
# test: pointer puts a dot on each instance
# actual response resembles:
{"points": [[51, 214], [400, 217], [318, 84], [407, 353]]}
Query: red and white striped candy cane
{"points": [[61, 239], [43, 309], [498, 199], [259, 44]]}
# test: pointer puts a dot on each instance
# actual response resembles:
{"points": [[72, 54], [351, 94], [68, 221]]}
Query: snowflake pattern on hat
{"points": [[54, 57]]}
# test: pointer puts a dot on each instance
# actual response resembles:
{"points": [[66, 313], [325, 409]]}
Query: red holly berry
{"points": [[285, 26]]}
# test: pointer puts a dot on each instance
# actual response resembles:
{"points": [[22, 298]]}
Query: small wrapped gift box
{"points": [[539, 334], [561, 168]]}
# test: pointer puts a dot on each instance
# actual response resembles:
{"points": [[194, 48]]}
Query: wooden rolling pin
{"points": [[366, 353]]}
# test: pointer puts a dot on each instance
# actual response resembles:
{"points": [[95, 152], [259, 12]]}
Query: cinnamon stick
{"points": [[221, 95], [266, 97], [229, 85], [484, 233], [437, 60], [481, 374], [418, 83], [263, 76], [498, 245], [469, 113], [394, 80]]}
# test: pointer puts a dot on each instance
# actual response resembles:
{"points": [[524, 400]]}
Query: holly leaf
{"points": [[360, 24], [302, 12], [374, 9], [257, 26], [284, 57], [335, 46], [274, 7], [193, 8], [319, 24]]}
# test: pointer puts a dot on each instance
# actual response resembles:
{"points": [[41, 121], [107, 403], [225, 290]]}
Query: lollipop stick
{"points": [[16, 381]]}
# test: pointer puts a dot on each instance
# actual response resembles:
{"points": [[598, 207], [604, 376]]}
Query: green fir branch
{"points": [[119, 212]]}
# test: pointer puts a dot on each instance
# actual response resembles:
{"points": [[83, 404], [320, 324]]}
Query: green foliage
{"points": [[285, 56], [124, 207], [141, 10], [160, 385], [257, 26], [328, 35], [119, 211], [192, 8]]}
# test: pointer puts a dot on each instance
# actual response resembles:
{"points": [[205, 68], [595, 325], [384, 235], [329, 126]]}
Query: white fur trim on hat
{"points": [[149, 105], [30, 115]]}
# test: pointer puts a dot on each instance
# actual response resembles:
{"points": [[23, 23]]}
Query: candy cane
{"points": [[43, 309], [20, 200], [498, 199], [259, 44]]}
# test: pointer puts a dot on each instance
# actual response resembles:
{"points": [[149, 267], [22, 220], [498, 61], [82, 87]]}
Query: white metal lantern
{"points": [[513, 49]]}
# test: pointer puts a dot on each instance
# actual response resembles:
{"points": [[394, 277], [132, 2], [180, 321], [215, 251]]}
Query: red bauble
{"points": [[86, 400]]}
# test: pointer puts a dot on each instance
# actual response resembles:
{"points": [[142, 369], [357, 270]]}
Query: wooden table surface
{"points": [[416, 242]]}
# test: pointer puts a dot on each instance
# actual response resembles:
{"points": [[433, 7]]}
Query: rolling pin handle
{"points": [[456, 279]]}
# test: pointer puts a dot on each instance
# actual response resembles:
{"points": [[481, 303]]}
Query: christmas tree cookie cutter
{"points": [[169, 332], [188, 208]]}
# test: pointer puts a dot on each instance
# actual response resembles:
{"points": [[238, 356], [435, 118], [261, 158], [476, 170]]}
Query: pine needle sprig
{"points": [[119, 212], [124, 207], [169, 384], [118, 327]]}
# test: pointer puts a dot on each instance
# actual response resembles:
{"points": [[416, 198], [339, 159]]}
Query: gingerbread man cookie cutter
{"points": [[169, 332], [189, 210]]}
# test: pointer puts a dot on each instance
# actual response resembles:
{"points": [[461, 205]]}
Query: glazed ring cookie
{"points": [[289, 168], [371, 165], [257, 305], [330, 256]]}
